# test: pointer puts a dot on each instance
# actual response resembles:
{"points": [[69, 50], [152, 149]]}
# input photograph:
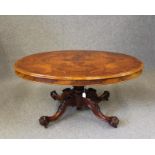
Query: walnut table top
{"points": [[78, 67]]}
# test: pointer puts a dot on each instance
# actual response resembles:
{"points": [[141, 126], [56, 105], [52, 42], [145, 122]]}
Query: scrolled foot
{"points": [[113, 121], [44, 121]]}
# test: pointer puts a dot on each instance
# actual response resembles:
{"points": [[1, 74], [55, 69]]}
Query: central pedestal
{"points": [[81, 98]]}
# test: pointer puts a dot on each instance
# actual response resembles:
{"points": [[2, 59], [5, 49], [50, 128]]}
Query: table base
{"points": [[81, 98]]}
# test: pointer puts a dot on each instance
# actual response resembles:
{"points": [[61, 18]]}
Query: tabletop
{"points": [[78, 67]]}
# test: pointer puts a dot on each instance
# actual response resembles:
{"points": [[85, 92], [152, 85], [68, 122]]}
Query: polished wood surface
{"points": [[78, 68]]}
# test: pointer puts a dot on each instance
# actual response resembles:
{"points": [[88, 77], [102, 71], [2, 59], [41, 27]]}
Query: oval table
{"points": [[79, 68]]}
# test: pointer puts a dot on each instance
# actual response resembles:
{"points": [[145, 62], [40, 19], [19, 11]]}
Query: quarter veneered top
{"points": [[71, 67]]}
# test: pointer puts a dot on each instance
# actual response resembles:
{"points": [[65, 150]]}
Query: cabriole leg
{"points": [[112, 120], [44, 120]]}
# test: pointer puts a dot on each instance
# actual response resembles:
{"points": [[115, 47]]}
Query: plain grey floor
{"points": [[23, 102]]}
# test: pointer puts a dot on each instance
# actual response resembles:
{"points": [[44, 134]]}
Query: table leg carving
{"points": [[74, 97], [55, 96], [65, 95], [105, 96], [112, 120], [44, 120], [91, 93]]}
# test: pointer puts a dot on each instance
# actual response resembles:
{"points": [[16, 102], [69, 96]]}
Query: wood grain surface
{"points": [[78, 67]]}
